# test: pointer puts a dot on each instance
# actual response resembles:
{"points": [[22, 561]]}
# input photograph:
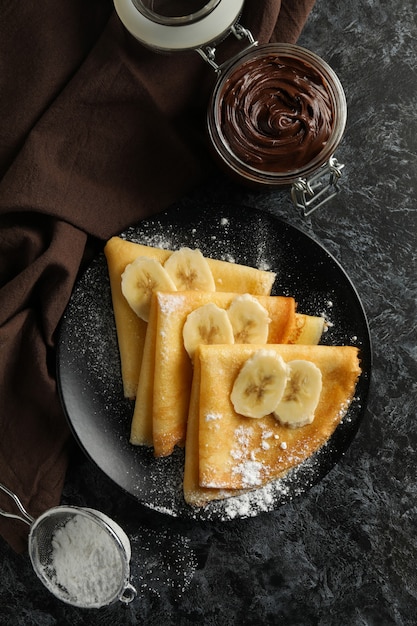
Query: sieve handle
{"points": [[25, 517], [129, 593]]}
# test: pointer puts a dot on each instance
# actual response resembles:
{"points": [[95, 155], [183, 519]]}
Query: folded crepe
{"points": [[131, 329], [161, 408], [227, 453]]}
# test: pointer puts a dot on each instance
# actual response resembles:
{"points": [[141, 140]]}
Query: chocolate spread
{"points": [[276, 113]]}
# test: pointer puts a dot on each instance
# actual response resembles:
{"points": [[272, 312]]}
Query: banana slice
{"points": [[206, 325], [250, 320], [260, 384], [140, 279], [301, 396], [190, 271]]}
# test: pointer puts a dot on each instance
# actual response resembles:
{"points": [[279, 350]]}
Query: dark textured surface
{"points": [[345, 553]]}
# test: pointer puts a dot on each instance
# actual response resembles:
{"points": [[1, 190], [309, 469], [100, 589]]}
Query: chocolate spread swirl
{"points": [[276, 113]]}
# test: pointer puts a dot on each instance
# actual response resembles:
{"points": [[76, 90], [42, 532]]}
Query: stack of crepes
{"points": [[96, 133], [183, 344]]}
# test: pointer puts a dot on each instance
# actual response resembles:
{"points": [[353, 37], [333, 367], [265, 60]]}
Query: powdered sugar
{"points": [[210, 417], [250, 473], [242, 438], [170, 304], [86, 562], [251, 503]]}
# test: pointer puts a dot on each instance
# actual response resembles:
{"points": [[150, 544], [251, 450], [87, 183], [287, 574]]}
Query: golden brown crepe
{"points": [[226, 452], [161, 409], [131, 329]]}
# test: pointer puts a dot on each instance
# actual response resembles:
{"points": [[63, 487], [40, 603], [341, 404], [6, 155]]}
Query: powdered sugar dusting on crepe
{"points": [[91, 347], [218, 246]]}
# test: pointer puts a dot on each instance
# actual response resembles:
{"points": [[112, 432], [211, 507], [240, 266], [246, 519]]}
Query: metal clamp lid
{"points": [[309, 194], [172, 29]]}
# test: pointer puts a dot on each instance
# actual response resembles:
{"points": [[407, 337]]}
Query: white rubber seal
{"points": [[181, 37]]}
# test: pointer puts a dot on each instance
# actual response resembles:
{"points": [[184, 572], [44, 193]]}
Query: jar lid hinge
{"points": [[309, 194], [209, 52]]}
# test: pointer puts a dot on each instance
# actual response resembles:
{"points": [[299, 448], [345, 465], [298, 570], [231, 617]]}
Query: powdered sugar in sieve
{"points": [[80, 555]]}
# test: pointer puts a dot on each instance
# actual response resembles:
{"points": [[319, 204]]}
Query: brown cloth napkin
{"points": [[96, 133]]}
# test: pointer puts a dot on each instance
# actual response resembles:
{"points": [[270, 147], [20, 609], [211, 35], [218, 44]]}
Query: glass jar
{"points": [[277, 112]]}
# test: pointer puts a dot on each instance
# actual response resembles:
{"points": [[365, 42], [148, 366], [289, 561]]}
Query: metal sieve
{"points": [[81, 555]]}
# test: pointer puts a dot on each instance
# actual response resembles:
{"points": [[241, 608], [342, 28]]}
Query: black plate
{"points": [[89, 369]]}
